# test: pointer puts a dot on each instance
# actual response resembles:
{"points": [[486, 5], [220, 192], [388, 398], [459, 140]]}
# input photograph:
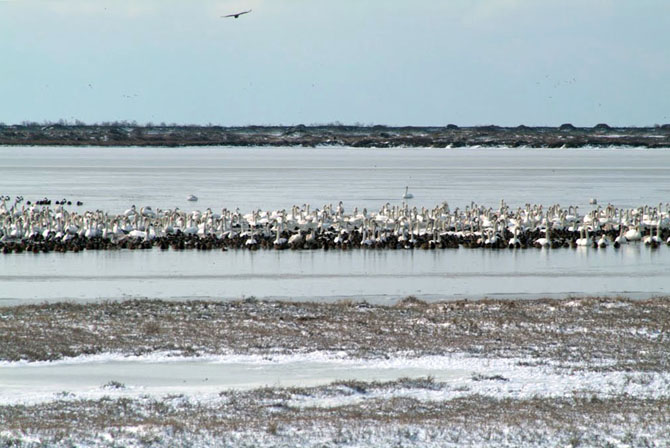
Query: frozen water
{"points": [[112, 179], [202, 378]]}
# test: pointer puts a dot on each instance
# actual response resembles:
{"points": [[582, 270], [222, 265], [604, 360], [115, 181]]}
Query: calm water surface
{"points": [[114, 178], [376, 276]]}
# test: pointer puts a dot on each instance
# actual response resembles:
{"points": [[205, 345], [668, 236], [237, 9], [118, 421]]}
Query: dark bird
{"points": [[237, 14]]}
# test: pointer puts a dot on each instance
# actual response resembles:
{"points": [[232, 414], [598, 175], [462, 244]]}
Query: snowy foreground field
{"points": [[576, 372]]}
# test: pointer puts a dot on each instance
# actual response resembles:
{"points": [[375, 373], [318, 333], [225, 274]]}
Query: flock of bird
{"points": [[43, 228]]}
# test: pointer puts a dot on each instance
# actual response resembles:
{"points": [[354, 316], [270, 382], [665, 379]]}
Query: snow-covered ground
{"points": [[583, 371], [308, 400], [465, 402], [202, 378]]}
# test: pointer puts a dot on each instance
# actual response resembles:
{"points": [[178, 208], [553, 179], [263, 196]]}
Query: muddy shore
{"points": [[127, 134]]}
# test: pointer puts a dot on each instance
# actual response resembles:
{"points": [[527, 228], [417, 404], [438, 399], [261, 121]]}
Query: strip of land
{"points": [[273, 417], [451, 136], [635, 334]]}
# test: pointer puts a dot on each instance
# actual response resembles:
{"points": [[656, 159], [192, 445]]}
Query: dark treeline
{"points": [[124, 133]]}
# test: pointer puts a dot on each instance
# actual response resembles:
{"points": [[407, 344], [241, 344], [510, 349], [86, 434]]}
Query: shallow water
{"points": [[112, 179], [378, 276]]}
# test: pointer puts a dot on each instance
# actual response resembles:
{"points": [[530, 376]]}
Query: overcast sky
{"points": [[420, 62]]}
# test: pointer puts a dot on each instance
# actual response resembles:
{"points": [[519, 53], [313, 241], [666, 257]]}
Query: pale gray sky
{"points": [[421, 62]]}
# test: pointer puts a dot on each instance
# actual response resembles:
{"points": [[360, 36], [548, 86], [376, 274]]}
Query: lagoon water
{"points": [[377, 276], [112, 179]]}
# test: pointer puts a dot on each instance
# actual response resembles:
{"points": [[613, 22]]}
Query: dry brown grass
{"points": [[269, 410], [576, 330]]}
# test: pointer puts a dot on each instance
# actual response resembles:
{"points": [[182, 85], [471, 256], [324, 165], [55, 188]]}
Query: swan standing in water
{"points": [[602, 242], [633, 234], [621, 239], [653, 240], [583, 241], [544, 242], [514, 242]]}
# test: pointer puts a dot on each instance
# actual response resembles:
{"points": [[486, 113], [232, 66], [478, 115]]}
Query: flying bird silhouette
{"points": [[237, 14]]}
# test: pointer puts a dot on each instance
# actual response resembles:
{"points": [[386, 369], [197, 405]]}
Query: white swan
{"points": [[584, 240], [251, 241], [621, 239], [130, 212], [296, 240], [633, 234], [191, 197], [653, 240], [544, 242], [147, 212], [514, 242], [407, 194], [280, 242], [602, 242]]}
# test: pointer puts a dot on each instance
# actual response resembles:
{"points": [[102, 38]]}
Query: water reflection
{"points": [[377, 276]]}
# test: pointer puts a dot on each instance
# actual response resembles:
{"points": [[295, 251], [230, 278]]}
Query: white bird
{"points": [[584, 240], [544, 242], [653, 240], [407, 194], [296, 240], [514, 242], [633, 234], [602, 242], [191, 197], [621, 239]]}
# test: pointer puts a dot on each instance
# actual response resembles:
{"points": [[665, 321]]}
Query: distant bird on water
{"points": [[238, 14]]}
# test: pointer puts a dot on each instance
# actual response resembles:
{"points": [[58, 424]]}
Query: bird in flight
{"points": [[237, 14]]}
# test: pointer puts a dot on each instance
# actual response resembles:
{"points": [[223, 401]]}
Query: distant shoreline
{"points": [[451, 136]]}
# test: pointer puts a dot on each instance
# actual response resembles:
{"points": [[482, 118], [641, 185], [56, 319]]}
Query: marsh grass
{"points": [[573, 331], [266, 410]]}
